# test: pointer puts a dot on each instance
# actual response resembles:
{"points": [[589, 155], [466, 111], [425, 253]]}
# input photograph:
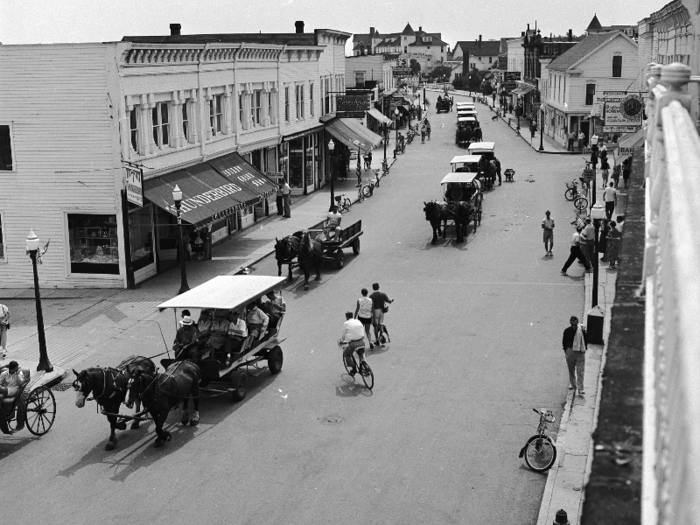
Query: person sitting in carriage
{"points": [[217, 345], [275, 307], [331, 226], [186, 338], [237, 335], [257, 322], [11, 379], [454, 192]]}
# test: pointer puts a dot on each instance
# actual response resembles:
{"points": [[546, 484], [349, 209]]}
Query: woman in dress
{"points": [[363, 312]]}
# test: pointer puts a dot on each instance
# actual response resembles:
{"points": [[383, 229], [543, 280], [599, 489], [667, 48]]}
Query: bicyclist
{"points": [[353, 334]]}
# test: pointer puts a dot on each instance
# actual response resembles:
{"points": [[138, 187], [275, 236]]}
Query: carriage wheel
{"points": [[339, 259], [275, 358], [41, 411], [240, 385], [356, 247]]}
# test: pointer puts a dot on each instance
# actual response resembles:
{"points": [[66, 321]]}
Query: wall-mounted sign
{"points": [[352, 106], [510, 78], [620, 129], [402, 72], [623, 109], [133, 181]]}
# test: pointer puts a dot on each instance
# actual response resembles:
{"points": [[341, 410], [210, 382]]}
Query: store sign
{"points": [[625, 152], [620, 129], [133, 181], [623, 109], [510, 79], [352, 103], [401, 72]]}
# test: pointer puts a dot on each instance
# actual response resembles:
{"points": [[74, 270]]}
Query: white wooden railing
{"points": [[671, 478]]}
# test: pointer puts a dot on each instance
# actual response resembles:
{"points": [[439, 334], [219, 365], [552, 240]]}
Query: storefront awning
{"points": [[516, 91], [205, 197], [247, 177], [353, 134], [376, 115], [240, 194], [526, 89]]}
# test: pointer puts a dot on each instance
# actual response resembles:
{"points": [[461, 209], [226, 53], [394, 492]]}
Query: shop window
{"points": [[359, 79], [134, 129], [286, 103], [141, 236], [2, 240], [160, 125], [327, 101], [270, 114], [215, 116], [256, 107], [590, 92], [94, 246], [185, 122], [311, 99], [617, 66], [5, 148], [296, 163], [300, 102]]}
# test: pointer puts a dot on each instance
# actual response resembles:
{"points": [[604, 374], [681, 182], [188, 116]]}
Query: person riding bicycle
{"points": [[353, 334]]}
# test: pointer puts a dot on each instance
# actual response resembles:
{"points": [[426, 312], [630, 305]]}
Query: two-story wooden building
{"points": [[96, 136], [598, 63]]}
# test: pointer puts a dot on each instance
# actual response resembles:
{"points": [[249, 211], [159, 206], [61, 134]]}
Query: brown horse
{"points": [[310, 254], [160, 393], [108, 387], [286, 249], [437, 213]]}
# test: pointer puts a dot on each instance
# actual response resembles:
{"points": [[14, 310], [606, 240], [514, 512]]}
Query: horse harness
{"points": [[157, 391]]}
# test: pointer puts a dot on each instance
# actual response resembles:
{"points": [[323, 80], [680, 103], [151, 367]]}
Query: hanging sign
{"points": [[133, 181], [623, 109]]}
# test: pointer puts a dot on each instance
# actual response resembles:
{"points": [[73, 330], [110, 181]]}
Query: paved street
{"points": [[476, 332]]}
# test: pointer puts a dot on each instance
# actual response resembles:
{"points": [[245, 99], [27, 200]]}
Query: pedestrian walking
{"points": [[533, 129], [380, 303], [571, 137], [363, 313], [548, 233], [497, 164], [280, 200], [616, 174], [286, 197], [587, 240], [510, 108], [4, 327], [575, 345], [626, 169], [613, 245], [610, 198], [605, 167], [581, 141], [575, 253]]}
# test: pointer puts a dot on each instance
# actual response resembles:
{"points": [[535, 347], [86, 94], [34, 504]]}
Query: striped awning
{"points": [[353, 134]]}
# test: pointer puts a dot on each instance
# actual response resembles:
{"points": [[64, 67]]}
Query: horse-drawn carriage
{"points": [[467, 112], [468, 131], [462, 204], [444, 103], [465, 105], [34, 405], [311, 247], [488, 167]]}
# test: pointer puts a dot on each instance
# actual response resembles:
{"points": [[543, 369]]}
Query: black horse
{"points": [[437, 213], [310, 254], [108, 387], [160, 393], [286, 249]]}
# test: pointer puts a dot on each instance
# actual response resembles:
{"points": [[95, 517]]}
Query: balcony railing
{"points": [[671, 480]]}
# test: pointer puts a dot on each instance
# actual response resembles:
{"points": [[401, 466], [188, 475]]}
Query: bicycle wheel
{"points": [[367, 375], [569, 194], [366, 190], [540, 453], [347, 204], [360, 197], [581, 203]]}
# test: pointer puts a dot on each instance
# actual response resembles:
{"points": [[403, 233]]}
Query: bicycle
{"points": [[360, 194], [368, 189], [385, 168], [540, 452], [572, 194], [363, 368], [343, 203]]}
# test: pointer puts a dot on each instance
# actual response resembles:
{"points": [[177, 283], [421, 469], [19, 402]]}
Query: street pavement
{"points": [[476, 344]]}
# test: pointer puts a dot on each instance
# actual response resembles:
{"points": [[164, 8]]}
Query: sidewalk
{"points": [[566, 481]]}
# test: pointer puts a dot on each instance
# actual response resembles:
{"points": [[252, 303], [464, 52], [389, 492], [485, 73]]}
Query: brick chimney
{"points": [[299, 24], [371, 31], [175, 29], [570, 35]]}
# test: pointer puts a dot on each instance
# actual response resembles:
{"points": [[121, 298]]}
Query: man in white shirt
{"points": [[354, 334], [332, 224], [548, 233], [610, 198]]}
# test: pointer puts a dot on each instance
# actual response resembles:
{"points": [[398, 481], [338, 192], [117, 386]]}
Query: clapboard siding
{"points": [[293, 72], [57, 100]]}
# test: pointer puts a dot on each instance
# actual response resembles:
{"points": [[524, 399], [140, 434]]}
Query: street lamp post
{"points": [[331, 149], [396, 122], [597, 214], [177, 197], [541, 129], [386, 136], [33, 250]]}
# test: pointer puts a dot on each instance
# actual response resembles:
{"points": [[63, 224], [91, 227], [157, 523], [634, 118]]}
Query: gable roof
{"points": [[483, 48], [595, 24], [581, 50], [436, 41], [408, 30]]}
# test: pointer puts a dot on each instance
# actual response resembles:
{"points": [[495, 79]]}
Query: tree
{"points": [[474, 79], [488, 88], [415, 66], [459, 83], [441, 72]]}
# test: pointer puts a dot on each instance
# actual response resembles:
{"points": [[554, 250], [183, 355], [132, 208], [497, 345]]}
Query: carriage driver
{"points": [[185, 344], [454, 192], [332, 223], [10, 381]]}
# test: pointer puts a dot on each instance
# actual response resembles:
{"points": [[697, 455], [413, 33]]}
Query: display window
{"points": [[141, 235], [94, 246], [310, 143], [296, 163]]}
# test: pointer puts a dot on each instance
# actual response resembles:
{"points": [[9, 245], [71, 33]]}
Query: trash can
{"points": [[594, 326]]}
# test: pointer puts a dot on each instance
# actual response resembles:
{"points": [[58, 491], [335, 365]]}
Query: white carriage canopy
{"points": [[459, 177], [225, 292]]}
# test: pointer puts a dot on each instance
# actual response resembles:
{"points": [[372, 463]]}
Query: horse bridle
{"points": [[104, 386]]}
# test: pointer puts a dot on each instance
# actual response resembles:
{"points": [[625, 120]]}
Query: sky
{"points": [[72, 21]]}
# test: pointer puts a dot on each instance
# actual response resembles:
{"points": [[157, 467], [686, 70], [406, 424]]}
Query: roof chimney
{"points": [[420, 28], [371, 31], [175, 29], [570, 35], [299, 24], [479, 38], [522, 33]]}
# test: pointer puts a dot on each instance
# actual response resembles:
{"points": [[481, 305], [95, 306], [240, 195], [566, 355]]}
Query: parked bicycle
{"points": [[343, 203], [540, 452], [368, 188], [362, 366], [572, 193], [385, 168]]}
